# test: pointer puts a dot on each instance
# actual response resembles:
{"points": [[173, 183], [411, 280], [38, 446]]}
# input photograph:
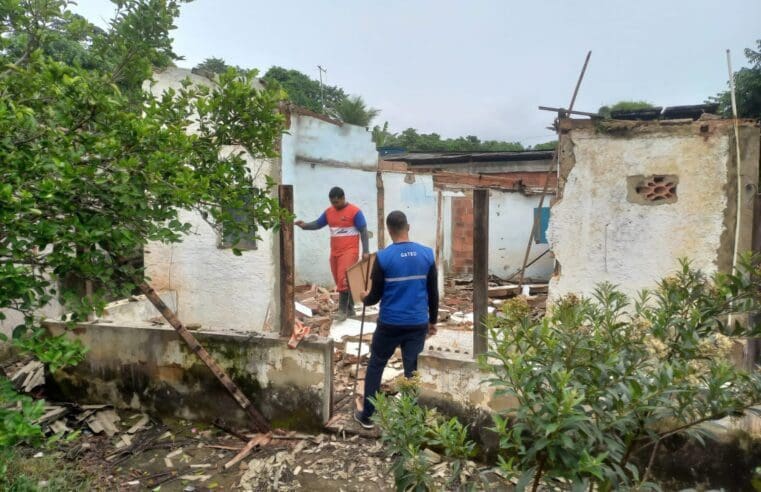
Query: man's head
{"points": [[397, 225], [337, 197]]}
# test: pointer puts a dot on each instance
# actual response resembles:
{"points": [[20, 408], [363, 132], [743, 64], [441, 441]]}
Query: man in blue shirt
{"points": [[404, 281]]}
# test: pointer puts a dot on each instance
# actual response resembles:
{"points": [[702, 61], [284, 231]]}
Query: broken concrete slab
{"points": [[350, 328]]}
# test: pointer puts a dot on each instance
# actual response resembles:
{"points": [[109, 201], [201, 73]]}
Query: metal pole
{"points": [[322, 91]]}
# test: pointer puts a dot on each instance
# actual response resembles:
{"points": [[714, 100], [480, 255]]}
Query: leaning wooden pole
{"points": [[258, 420], [550, 171]]}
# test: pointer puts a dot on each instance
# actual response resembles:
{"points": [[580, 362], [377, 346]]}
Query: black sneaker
{"points": [[363, 421]]}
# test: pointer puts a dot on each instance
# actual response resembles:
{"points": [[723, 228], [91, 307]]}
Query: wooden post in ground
{"points": [[287, 306], [258, 420], [480, 269], [381, 210]]}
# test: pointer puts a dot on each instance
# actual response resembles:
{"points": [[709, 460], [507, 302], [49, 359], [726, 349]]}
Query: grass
{"points": [[20, 471]]}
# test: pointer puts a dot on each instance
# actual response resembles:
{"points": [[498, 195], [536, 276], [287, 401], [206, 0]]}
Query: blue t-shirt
{"points": [[405, 269]]}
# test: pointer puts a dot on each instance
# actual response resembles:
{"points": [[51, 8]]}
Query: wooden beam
{"points": [[523, 182], [380, 197], [570, 111], [260, 423], [480, 269], [287, 306]]}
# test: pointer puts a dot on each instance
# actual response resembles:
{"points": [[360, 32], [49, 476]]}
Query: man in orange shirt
{"points": [[347, 226]]}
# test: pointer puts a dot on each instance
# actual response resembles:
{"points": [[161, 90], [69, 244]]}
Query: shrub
{"points": [[603, 379], [408, 429]]}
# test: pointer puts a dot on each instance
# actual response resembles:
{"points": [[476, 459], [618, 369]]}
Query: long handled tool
{"points": [[361, 330]]}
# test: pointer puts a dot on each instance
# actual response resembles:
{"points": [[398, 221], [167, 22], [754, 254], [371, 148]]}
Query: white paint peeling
{"points": [[598, 235]]}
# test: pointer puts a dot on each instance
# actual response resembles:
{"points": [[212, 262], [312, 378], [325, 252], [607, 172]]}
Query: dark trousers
{"points": [[385, 341]]}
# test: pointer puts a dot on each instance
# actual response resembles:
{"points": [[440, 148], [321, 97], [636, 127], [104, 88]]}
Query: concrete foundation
{"points": [[142, 366], [456, 385]]}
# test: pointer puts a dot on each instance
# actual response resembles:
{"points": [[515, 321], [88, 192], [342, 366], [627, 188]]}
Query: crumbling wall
{"points": [[317, 155], [214, 287], [511, 215], [455, 384], [149, 368], [414, 195], [637, 196]]}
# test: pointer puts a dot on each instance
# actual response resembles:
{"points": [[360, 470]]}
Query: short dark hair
{"points": [[396, 221], [336, 192]]}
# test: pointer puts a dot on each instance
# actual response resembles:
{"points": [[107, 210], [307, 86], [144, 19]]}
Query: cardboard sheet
{"points": [[358, 276]]}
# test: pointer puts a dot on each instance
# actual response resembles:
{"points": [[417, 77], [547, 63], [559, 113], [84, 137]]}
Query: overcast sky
{"points": [[478, 67]]}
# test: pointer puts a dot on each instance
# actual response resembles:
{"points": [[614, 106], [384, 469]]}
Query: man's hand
{"points": [[431, 330], [299, 223], [365, 256], [364, 294]]}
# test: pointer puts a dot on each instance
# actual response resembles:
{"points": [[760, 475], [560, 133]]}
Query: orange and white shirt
{"points": [[344, 227]]}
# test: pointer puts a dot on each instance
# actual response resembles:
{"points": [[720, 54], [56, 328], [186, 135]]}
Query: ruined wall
{"points": [[414, 195], [454, 383], [214, 287], [511, 215], [316, 156], [149, 368], [637, 196]]}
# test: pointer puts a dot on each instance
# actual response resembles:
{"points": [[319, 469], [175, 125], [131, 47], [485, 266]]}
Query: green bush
{"points": [[599, 383], [408, 429], [601, 380]]}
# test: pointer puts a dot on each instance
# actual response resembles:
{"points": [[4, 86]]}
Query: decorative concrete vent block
{"points": [[656, 189]]}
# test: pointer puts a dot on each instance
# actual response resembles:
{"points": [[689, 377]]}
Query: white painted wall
{"points": [[511, 215], [214, 287], [417, 200], [597, 235], [316, 156]]}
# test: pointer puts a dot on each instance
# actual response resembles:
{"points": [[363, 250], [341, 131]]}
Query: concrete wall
{"points": [[599, 234], [511, 215], [455, 384], [149, 368], [414, 195], [317, 155], [214, 287]]}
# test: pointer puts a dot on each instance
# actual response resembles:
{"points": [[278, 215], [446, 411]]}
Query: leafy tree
{"points": [[551, 145], [212, 65], [624, 106], [354, 111], [411, 140], [93, 166], [747, 88], [305, 92]]}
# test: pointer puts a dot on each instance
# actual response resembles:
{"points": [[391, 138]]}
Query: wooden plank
{"points": [[380, 198], [287, 307], [257, 419], [439, 228], [259, 440], [480, 269], [525, 182]]}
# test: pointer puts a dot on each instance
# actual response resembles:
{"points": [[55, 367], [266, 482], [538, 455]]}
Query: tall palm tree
{"points": [[354, 111]]}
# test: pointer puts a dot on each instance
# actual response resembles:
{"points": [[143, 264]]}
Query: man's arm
{"points": [[432, 282], [376, 288], [365, 240], [321, 222], [361, 224]]}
